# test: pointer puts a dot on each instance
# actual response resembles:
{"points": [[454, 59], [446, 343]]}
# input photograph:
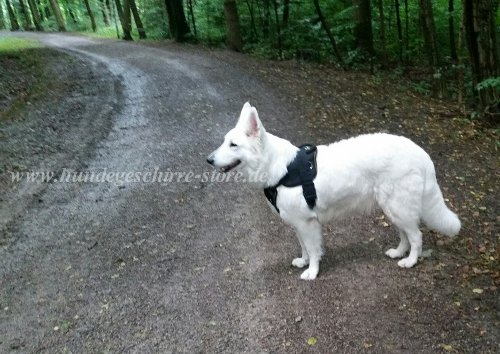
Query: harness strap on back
{"points": [[301, 171]]}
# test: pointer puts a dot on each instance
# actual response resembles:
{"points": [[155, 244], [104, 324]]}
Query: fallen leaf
{"points": [[447, 347], [477, 291], [427, 253], [312, 341]]}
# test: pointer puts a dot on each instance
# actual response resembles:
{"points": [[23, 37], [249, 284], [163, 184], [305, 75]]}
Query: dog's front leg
{"points": [[304, 260], [310, 234]]}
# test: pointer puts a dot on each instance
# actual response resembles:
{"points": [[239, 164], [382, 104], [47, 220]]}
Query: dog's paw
{"points": [[300, 262], [394, 253], [309, 274], [407, 262]]}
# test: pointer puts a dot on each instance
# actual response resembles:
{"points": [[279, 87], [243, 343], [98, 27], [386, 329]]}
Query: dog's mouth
{"points": [[230, 167]]}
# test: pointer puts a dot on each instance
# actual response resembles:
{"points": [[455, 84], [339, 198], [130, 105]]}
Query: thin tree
{"points": [[127, 21], [104, 12], [286, 13], [57, 13], [363, 27], [115, 22], [451, 31], [429, 32], [177, 22], [327, 30], [36, 15], [278, 29], [2, 19], [71, 14], [91, 15], [233, 25], [252, 19], [119, 11], [383, 43], [266, 20], [28, 24], [480, 33], [191, 14], [137, 20], [407, 33], [14, 25], [400, 31]]}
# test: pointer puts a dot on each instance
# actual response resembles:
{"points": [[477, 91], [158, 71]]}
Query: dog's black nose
{"points": [[210, 160]]}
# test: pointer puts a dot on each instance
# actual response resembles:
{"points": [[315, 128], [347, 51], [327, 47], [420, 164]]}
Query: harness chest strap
{"points": [[300, 172]]}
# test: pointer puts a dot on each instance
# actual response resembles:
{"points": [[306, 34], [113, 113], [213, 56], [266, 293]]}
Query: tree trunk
{"points": [[71, 14], [104, 12], [137, 20], [233, 25], [36, 15], [57, 13], [483, 51], [266, 21], [429, 32], [127, 21], [46, 10], [407, 34], [363, 28], [177, 20], [119, 11], [91, 15], [278, 29], [400, 31], [252, 19], [28, 24], [112, 12], [2, 19], [451, 29], [286, 13], [14, 25], [382, 31], [191, 14], [327, 30]]}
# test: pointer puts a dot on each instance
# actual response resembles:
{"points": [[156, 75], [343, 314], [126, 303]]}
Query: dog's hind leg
{"points": [[415, 238], [310, 233], [402, 203], [304, 260], [403, 247]]}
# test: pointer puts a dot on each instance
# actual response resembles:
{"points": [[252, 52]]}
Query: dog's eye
{"points": [[233, 145]]}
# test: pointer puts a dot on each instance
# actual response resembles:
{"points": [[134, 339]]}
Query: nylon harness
{"points": [[301, 172]]}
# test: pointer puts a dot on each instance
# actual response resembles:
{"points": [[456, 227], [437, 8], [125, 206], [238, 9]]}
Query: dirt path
{"points": [[196, 267]]}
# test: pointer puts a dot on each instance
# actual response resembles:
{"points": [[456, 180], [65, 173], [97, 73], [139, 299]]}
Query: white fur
{"points": [[354, 176]]}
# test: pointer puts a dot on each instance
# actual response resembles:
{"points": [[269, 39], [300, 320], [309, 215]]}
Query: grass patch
{"points": [[10, 45], [102, 32]]}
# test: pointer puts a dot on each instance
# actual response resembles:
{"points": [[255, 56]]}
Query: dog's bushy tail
{"points": [[435, 213]]}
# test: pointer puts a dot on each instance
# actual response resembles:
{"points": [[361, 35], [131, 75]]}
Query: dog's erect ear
{"points": [[249, 121]]}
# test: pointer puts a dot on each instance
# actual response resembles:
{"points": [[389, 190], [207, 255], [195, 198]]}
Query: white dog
{"points": [[353, 176]]}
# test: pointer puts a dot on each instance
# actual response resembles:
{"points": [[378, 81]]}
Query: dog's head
{"points": [[242, 144]]}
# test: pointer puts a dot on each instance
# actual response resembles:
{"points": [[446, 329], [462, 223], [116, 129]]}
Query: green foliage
{"points": [[491, 82], [303, 37]]}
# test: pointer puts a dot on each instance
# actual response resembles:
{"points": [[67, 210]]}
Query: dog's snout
{"points": [[210, 159]]}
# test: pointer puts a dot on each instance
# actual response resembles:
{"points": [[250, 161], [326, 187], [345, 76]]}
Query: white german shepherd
{"points": [[353, 176]]}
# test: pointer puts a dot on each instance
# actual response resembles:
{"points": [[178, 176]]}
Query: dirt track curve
{"points": [[191, 267]]}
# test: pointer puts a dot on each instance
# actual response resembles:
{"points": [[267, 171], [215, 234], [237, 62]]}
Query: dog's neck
{"points": [[277, 154]]}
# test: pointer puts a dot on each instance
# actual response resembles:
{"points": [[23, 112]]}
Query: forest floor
{"points": [[205, 267]]}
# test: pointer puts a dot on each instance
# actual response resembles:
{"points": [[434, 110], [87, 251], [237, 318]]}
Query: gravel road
{"points": [[190, 267]]}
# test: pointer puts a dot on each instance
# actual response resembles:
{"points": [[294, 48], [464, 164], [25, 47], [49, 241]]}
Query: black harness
{"points": [[301, 172]]}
